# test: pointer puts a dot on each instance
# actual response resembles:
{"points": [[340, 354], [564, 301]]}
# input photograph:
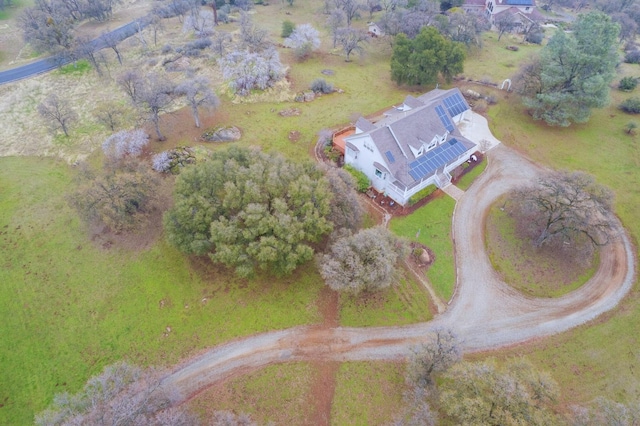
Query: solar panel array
{"points": [[390, 156], [455, 104], [520, 2], [444, 118], [427, 164]]}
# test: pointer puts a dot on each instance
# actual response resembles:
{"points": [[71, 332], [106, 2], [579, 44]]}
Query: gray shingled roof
{"points": [[364, 124], [398, 132]]}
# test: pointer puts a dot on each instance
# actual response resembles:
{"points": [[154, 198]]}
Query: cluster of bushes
{"points": [[287, 29], [631, 105], [627, 84], [194, 48], [320, 85], [362, 181], [422, 194], [631, 53]]}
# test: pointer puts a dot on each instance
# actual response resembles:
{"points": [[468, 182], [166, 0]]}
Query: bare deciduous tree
{"points": [[440, 352], [125, 143], [365, 261], [335, 21], [564, 206], [253, 38], [198, 94], [351, 9], [119, 197], [417, 411], [49, 32], [246, 71], [110, 114], [304, 39], [153, 94], [121, 394], [111, 40], [351, 40], [505, 23], [605, 412], [57, 113], [220, 40], [84, 49]]}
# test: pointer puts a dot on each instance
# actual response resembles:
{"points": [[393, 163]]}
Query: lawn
{"points": [[367, 393], [431, 225], [600, 359], [538, 272], [278, 394], [465, 181], [405, 303], [69, 307]]}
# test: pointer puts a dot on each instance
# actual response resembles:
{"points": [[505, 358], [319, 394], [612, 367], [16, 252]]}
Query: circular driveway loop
{"points": [[485, 313]]}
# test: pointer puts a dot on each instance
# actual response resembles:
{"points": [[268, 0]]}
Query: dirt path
{"points": [[485, 312]]}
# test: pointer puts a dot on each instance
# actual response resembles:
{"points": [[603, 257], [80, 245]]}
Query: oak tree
{"points": [[57, 112], [363, 262], [425, 58], [250, 210], [488, 394], [575, 71], [564, 207]]}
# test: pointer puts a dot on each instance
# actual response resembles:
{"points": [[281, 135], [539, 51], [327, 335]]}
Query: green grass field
{"points": [[367, 393], [405, 303], [433, 222], [278, 394], [537, 272], [465, 181], [69, 308], [599, 359]]}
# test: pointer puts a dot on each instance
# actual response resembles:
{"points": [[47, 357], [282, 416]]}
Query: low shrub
{"points": [[362, 181], [632, 57], [535, 37], [320, 85], [423, 193], [631, 105], [287, 29], [627, 84]]}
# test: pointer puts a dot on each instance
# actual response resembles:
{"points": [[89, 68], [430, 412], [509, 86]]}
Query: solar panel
{"points": [[443, 117], [455, 104], [390, 156], [435, 159], [520, 2]]}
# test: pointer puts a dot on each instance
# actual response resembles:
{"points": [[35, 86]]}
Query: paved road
{"points": [[47, 64], [485, 312]]}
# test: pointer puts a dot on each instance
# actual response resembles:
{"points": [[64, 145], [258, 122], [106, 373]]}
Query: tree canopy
{"points": [[574, 72], [563, 207], [425, 58], [365, 261], [483, 393], [247, 209]]}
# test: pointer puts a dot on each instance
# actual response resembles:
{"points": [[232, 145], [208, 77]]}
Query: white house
{"points": [[494, 7], [417, 144], [375, 30]]}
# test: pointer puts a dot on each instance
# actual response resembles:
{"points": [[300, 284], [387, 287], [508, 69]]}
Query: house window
{"points": [[366, 145], [378, 173]]}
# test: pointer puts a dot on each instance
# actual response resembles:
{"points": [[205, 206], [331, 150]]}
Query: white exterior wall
{"points": [[364, 159]]}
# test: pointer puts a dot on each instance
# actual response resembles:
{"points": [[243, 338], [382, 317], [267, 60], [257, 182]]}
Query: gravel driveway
{"points": [[485, 312]]}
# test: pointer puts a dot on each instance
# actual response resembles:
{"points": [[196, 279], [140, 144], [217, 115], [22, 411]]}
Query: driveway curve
{"points": [[485, 312]]}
